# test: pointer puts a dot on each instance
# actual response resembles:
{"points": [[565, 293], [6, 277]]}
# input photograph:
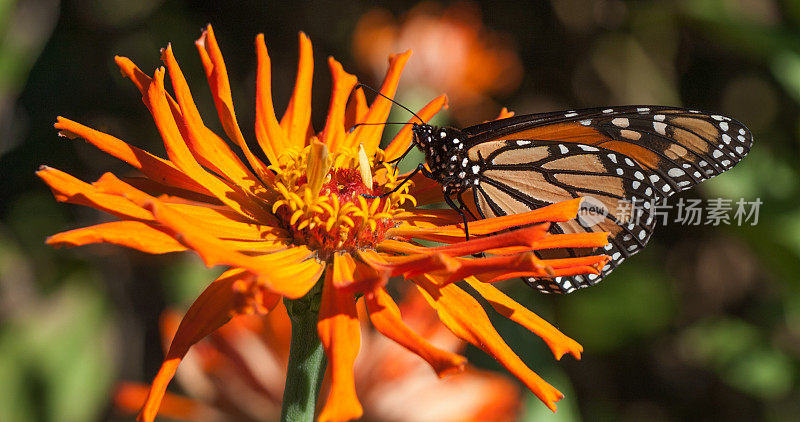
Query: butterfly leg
{"points": [[459, 209], [419, 168]]}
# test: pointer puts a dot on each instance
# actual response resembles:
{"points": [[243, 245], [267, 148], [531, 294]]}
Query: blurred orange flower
{"points": [[302, 223], [236, 372], [454, 53]]}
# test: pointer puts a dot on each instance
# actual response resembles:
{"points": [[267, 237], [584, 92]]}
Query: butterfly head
{"points": [[437, 141]]}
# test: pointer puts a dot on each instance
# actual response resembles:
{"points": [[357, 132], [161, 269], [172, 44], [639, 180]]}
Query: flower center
{"points": [[321, 200]]}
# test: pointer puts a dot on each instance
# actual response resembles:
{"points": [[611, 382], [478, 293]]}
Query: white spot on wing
{"points": [[660, 127], [620, 122], [676, 172]]}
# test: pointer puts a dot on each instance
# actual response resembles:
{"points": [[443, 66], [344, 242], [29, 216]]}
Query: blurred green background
{"points": [[702, 325]]}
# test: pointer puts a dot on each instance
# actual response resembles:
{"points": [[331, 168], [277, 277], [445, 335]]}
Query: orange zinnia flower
{"points": [[300, 227], [236, 372], [454, 53]]}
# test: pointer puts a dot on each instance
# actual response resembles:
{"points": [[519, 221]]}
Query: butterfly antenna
{"points": [[393, 101], [377, 123]]}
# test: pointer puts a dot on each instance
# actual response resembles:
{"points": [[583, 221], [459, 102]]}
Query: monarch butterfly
{"points": [[628, 153]]}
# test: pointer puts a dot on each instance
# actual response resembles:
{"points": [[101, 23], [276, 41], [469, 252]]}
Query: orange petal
{"points": [[174, 194], [180, 155], [129, 397], [558, 212], [133, 234], [504, 114], [427, 218], [217, 76], [402, 140], [385, 316], [465, 317], [132, 72], [592, 264], [153, 167], [355, 276], [270, 135], [296, 120], [370, 135], [557, 341], [424, 189], [343, 83], [216, 221], [356, 109], [528, 236], [411, 265], [67, 188], [290, 272], [209, 149], [340, 334], [213, 308]]}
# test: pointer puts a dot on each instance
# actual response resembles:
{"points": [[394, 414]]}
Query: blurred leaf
{"points": [[633, 302], [786, 67], [186, 277], [59, 350], [736, 350]]}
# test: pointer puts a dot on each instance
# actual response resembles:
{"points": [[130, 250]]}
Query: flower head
{"points": [[237, 372], [281, 228]]}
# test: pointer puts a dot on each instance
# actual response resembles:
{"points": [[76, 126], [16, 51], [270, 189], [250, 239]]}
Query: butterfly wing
{"points": [[637, 154]]}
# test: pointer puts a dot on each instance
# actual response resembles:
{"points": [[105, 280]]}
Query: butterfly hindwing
{"points": [[522, 175], [633, 154]]}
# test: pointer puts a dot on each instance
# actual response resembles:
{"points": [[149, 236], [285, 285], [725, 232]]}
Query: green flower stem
{"points": [[306, 358]]}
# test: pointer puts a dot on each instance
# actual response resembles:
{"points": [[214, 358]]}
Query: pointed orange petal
{"points": [[217, 76], [356, 109], [402, 140], [385, 316], [592, 264], [465, 317], [558, 212], [504, 114], [355, 276], [343, 83], [271, 137], [424, 189], [133, 234], [290, 272], [528, 237], [370, 135], [180, 155], [559, 343], [175, 194], [132, 72], [411, 265], [340, 334], [209, 149], [67, 188], [213, 308], [215, 221], [296, 122], [153, 167]]}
